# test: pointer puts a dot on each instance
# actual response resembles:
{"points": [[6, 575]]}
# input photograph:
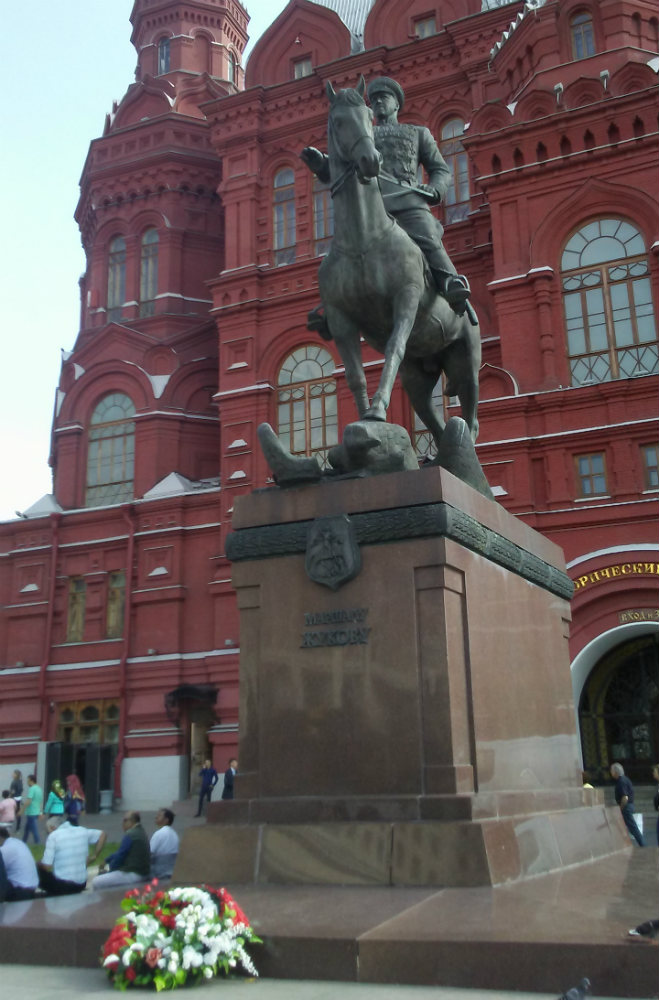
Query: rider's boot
{"points": [[453, 287], [317, 322]]}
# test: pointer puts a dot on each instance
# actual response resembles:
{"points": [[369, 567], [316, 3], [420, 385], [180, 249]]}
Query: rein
{"points": [[352, 168]]}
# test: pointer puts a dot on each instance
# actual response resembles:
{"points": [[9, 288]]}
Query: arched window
{"points": [[148, 272], [456, 199], [284, 217], [231, 67], [116, 277], [111, 452], [609, 318], [323, 217], [581, 32], [307, 422], [163, 56]]}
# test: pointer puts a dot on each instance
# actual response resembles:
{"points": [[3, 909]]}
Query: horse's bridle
{"points": [[352, 167]]}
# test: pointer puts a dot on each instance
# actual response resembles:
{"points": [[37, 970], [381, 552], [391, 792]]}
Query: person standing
{"points": [[16, 791], [55, 801], [131, 863], [164, 845], [63, 868], [20, 867], [209, 778], [74, 801], [624, 793], [229, 775], [33, 802]]}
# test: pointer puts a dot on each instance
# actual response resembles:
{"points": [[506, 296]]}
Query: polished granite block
{"points": [[326, 853], [402, 853], [209, 858], [539, 935]]}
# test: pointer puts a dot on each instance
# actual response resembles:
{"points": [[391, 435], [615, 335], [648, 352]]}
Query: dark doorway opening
{"points": [[619, 711]]}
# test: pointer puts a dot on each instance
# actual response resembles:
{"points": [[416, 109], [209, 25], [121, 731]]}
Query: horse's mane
{"points": [[348, 96]]}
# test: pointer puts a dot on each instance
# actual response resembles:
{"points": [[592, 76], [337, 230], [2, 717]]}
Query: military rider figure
{"points": [[402, 148]]}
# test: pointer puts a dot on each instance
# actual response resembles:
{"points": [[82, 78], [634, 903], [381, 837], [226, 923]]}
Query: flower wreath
{"points": [[168, 938]]}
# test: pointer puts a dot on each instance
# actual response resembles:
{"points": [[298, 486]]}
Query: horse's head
{"points": [[351, 131]]}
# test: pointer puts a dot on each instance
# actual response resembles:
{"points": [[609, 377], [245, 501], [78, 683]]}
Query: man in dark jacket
{"points": [[209, 779], [131, 863], [229, 774], [624, 793]]}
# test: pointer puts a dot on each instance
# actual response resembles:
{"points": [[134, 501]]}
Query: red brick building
{"points": [[203, 232]]}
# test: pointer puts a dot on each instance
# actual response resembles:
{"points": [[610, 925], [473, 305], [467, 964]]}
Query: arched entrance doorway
{"points": [[192, 708], [619, 710]]}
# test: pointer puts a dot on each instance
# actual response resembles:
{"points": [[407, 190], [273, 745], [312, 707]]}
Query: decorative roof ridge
{"points": [[530, 5]]}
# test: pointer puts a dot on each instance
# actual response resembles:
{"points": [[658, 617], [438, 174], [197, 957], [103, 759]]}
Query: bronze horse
{"points": [[375, 282]]}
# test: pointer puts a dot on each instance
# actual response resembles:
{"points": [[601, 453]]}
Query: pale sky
{"points": [[62, 73]]}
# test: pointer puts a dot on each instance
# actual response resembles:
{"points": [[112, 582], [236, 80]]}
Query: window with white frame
{"points": [[607, 301], [591, 475], [307, 419], [148, 272], [111, 451], [323, 217], [116, 278], [284, 217], [163, 56], [581, 34], [456, 199]]}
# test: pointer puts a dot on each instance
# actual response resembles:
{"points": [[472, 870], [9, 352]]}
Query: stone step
{"points": [[184, 807]]}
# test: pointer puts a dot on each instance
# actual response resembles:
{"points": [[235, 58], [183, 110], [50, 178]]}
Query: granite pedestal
{"points": [[415, 724]]}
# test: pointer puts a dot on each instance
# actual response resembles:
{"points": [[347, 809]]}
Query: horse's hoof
{"points": [[375, 413]]}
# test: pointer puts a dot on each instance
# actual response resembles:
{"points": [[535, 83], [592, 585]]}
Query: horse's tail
{"points": [[317, 323]]}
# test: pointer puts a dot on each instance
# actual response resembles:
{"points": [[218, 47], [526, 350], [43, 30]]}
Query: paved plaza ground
{"points": [[48, 983]]}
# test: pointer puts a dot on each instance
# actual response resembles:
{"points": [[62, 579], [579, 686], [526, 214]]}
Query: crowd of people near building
{"points": [[71, 847]]}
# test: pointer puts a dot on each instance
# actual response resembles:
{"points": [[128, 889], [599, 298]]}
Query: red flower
{"points": [[130, 974], [152, 956]]}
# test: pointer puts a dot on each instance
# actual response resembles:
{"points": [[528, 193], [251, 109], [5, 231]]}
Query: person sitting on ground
{"points": [[63, 868], [74, 801], [164, 845], [8, 809], [20, 868], [55, 801], [131, 863]]}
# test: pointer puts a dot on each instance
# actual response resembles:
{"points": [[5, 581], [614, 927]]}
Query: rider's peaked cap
{"points": [[386, 83]]}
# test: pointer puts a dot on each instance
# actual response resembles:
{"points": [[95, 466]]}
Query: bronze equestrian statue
{"points": [[375, 282]]}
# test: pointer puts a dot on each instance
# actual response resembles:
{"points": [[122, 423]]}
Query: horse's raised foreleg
{"points": [[346, 337], [405, 307]]}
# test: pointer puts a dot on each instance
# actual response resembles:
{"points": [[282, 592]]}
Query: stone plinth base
{"points": [[408, 719]]}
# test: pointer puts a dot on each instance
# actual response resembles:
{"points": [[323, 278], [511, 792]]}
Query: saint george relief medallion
{"points": [[333, 556]]}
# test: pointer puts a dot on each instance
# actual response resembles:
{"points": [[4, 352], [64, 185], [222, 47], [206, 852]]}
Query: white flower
{"points": [[110, 959], [125, 958], [208, 973]]}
